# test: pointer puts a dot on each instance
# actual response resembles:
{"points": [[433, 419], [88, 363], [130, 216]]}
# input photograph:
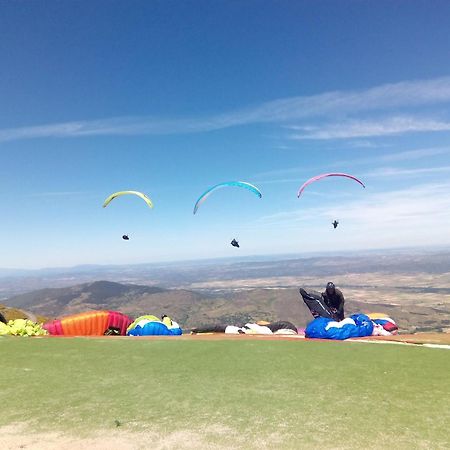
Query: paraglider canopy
{"points": [[241, 184], [120, 193], [324, 175]]}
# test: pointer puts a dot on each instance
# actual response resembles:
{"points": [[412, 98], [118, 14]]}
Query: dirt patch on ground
{"points": [[418, 338], [210, 437], [18, 436]]}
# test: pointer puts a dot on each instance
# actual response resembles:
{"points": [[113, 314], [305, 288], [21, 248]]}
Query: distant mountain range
{"points": [[192, 309], [188, 273]]}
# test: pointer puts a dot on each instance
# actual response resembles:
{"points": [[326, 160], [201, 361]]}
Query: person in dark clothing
{"points": [[2, 318], [334, 299], [329, 304], [335, 224], [234, 243]]}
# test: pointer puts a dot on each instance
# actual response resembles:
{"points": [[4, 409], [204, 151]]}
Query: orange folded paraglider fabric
{"points": [[91, 323]]}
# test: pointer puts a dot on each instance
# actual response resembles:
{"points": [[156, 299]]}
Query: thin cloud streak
{"points": [[282, 172], [59, 194], [271, 177], [396, 172], [410, 217], [406, 155], [415, 154], [404, 94], [370, 128], [378, 207]]}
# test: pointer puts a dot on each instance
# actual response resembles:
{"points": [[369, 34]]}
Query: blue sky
{"points": [[171, 97]]}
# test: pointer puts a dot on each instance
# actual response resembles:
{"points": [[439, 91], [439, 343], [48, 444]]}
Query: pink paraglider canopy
{"points": [[324, 175]]}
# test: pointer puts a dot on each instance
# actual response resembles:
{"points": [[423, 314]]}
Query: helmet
{"points": [[330, 287]]}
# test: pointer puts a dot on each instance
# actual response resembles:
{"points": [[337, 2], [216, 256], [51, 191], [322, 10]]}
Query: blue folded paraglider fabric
{"points": [[154, 328], [357, 325]]}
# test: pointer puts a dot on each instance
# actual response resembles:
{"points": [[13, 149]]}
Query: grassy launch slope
{"points": [[258, 394]]}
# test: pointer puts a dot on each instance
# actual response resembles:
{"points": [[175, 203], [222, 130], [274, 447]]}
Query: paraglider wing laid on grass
{"points": [[91, 323], [383, 320], [22, 327], [120, 193], [357, 325], [324, 175], [152, 326], [262, 327], [241, 184]]}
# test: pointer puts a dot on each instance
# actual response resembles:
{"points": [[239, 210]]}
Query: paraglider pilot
{"points": [[334, 298], [329, 304], [125, 237], [235, 243], [335, 224]]}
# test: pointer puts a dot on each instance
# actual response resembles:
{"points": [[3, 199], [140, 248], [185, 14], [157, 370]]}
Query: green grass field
{"points": [[234, 394]]}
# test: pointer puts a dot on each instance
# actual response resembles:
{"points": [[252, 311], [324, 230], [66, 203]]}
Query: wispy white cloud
{"points": [[363, 144], [282, 172], [280, 180], [58, 194], [394, 156], [396, 95], [404, 94], [424, 204], [419, 153], [409, 217], [397, 172], [114, 126], [286, 175], [365, 128], [385, 207]]}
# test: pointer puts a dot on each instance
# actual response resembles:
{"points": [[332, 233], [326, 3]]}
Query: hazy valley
{"points": [[413, 288]]}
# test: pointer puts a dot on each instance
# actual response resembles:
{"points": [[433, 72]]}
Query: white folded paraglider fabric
{"points": [[254, 328]]}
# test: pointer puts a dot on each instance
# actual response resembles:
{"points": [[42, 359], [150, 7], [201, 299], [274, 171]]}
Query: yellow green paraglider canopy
{"points": [[120, 193]]}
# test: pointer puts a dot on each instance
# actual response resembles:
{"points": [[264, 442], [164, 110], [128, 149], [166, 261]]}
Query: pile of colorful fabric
{"points": [[386, 323], [22, 327], [152, 326], [112, 323], [357, 325], [90, 323]]}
